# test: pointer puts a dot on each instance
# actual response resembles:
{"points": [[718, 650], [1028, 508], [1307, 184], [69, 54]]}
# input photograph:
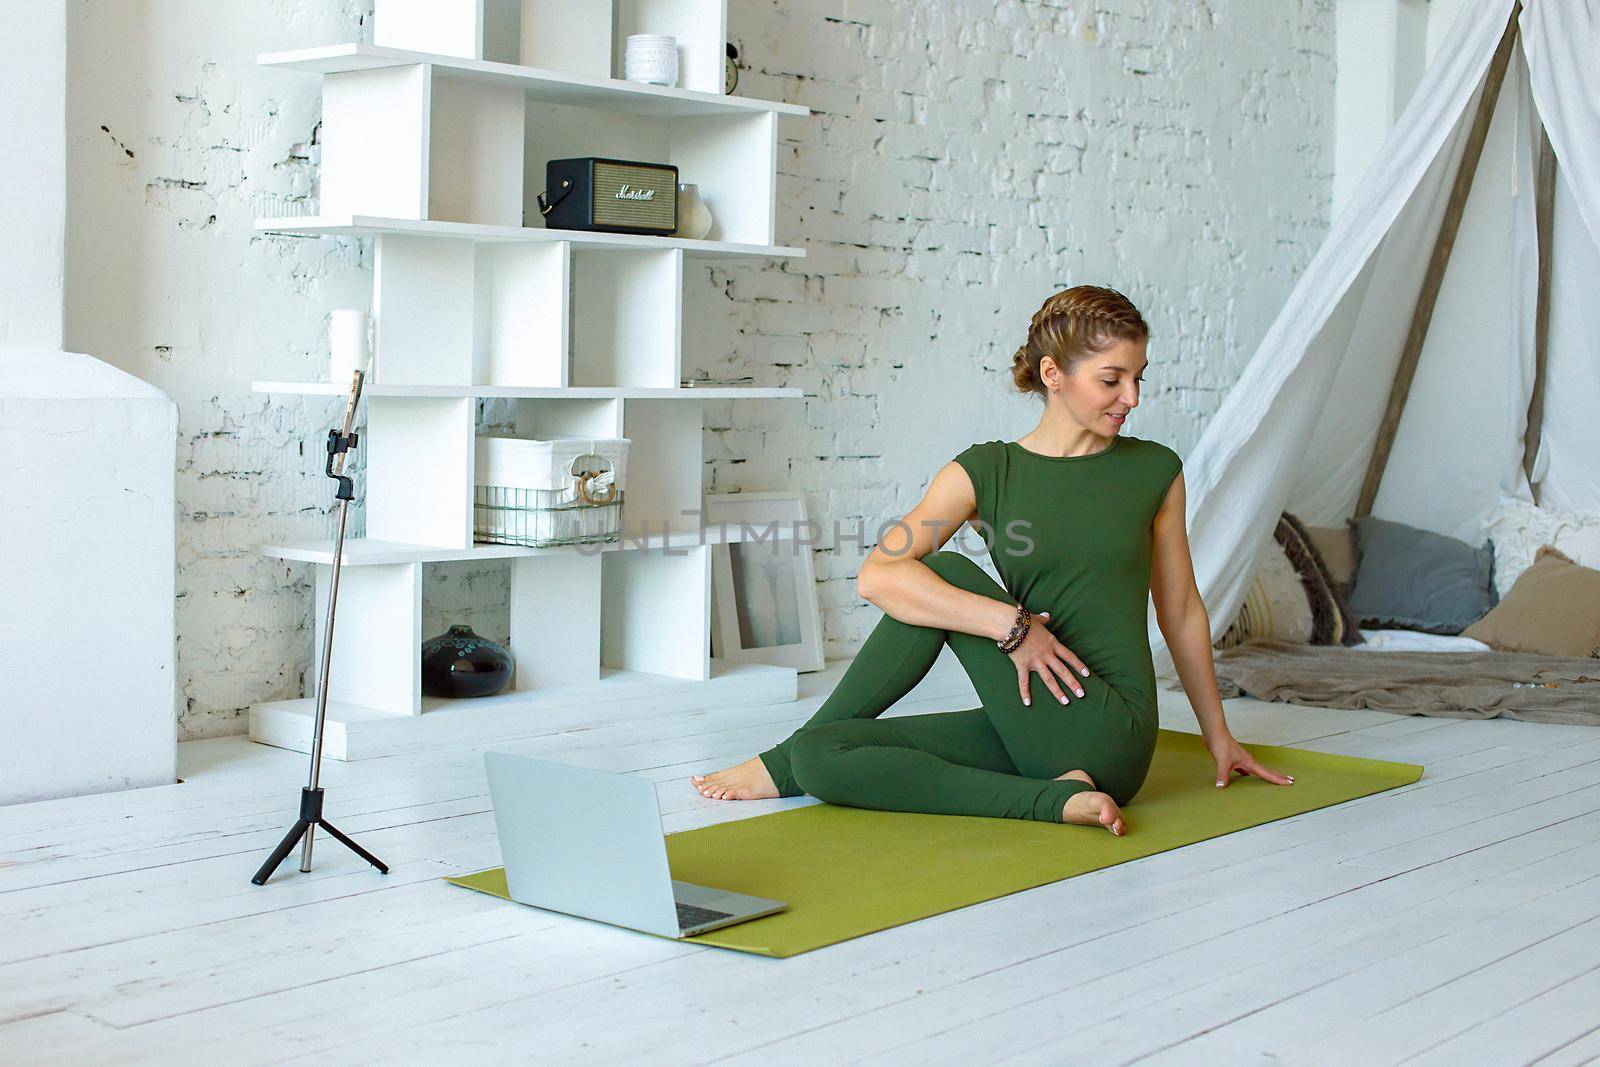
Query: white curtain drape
{"points": [[1561, 39]]}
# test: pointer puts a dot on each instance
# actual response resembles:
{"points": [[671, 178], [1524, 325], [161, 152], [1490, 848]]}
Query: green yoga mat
{"points": [[846, 872]]}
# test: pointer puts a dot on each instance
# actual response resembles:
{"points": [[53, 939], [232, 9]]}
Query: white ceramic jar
{"points": [[651, 58], [694, 217]]}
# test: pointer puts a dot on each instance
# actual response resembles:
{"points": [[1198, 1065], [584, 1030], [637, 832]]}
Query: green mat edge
{"points": [[491, 880]]}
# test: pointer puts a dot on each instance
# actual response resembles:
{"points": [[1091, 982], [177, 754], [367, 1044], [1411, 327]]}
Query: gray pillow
{"points": [[1414, 579]]}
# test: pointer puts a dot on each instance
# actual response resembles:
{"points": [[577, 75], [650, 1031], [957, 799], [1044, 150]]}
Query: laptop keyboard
{"points": [[690, 916]]}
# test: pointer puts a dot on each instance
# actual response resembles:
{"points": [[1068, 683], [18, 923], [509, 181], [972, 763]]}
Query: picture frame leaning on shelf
{"points": [[763, 583]]}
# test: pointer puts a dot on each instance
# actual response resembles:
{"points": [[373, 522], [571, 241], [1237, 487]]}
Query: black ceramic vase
{"points": [[459, 663]]}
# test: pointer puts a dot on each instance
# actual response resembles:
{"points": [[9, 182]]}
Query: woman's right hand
{"points": [[1040, 651]]}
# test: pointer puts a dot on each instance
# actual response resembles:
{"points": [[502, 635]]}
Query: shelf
{"points": [[353, 732], [540, 86], [365, 552], [435, 141], [374, 226], [514, 392]]}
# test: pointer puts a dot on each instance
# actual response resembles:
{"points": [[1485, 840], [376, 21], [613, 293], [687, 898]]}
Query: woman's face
{"points": [[1102, 388]]}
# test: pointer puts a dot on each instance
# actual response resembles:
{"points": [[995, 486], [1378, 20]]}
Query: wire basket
{"points": [[534, 518]]}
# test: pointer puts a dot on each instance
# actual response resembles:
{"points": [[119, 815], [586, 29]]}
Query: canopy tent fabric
{"points": [[1298, 430]]}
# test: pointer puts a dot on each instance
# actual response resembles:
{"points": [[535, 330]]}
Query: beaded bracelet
{"points": [[1019, 631]]}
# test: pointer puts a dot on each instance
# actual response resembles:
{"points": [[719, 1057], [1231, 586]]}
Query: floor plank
{"points": [[1457, 918]]}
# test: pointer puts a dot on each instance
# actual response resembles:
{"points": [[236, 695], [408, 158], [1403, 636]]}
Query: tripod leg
{"points": [[284, 848], [334, 833]]}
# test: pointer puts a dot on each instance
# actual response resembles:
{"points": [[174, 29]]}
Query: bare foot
{"points": [[1090, 808], [745, 781]]}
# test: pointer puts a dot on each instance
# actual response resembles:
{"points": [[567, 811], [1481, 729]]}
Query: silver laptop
{"points": [[589, 843]]}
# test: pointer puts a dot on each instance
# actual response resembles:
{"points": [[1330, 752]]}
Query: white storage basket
{"points": [[563, 490]]}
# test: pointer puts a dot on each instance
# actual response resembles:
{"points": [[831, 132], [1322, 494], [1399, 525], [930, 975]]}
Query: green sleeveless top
{"points": [[1072, 535]]}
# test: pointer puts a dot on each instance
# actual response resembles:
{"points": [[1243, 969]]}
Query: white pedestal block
{"points": [[89, 545]]}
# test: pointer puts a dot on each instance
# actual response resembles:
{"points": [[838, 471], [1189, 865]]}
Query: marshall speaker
{"points": [[614, 195]]}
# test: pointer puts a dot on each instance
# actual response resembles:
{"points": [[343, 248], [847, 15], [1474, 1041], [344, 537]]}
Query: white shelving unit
{"points": [[438, 155]]}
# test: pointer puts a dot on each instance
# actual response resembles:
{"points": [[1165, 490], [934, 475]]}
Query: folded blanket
{"points": [[1461, 685]]}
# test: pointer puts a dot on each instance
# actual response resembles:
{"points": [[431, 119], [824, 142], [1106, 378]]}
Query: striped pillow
{"points": [[1292, 597], [1337, 623]]}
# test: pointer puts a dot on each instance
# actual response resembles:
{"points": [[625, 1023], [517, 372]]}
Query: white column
{"points": [[1381, 53], [33, 160], [87, 461], [1441, 13]]}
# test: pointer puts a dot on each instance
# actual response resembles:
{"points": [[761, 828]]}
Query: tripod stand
{"points": [[339, 444]]}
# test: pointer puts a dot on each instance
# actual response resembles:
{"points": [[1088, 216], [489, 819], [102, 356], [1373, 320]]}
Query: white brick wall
{"points": [[968, 159]]}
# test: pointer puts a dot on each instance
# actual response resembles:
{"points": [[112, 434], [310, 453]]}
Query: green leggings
{"points": [[999, 760]]}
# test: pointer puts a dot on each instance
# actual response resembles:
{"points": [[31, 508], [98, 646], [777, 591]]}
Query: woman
{"points": [[1084, 524]]}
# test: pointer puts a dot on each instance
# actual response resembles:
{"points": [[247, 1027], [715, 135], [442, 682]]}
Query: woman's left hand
{"points": [[1231, 756]]}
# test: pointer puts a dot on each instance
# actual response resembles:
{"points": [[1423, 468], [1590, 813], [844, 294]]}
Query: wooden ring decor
{"points": [[587, 473]]}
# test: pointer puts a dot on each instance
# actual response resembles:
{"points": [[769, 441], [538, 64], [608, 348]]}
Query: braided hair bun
{"points": [[1071, 325]]}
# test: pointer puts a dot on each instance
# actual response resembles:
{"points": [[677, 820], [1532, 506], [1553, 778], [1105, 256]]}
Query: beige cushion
{"points": [[1337, 548], [1553, 608]]}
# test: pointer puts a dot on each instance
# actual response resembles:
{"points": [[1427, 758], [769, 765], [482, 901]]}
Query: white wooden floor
{"points": [[1456, 920]]}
